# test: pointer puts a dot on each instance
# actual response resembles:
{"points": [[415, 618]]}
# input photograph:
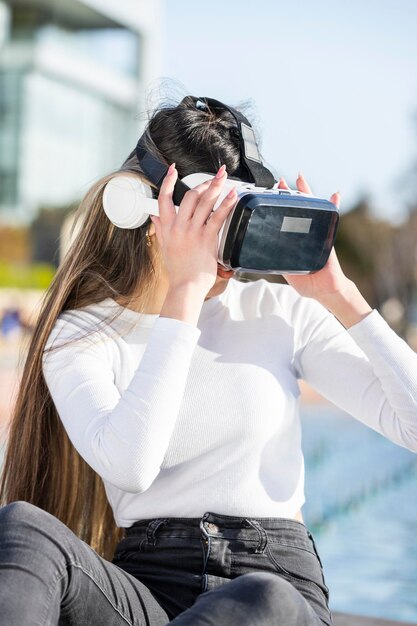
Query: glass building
{"points": [[72, 80]]}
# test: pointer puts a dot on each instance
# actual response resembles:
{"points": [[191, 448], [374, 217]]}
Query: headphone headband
{"points": [[155, 170]]}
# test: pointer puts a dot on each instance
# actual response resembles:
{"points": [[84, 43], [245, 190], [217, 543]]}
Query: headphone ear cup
{"points": [[124, 201]]}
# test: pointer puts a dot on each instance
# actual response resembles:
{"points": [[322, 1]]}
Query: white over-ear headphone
{"points": [[128, 201]]}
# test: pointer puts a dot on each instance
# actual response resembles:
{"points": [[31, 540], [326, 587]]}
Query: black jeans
{"points": [[213, 571], [178, 559]]}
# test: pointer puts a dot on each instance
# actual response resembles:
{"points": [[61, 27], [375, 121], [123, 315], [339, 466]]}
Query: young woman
{"points": [[157, 416]]}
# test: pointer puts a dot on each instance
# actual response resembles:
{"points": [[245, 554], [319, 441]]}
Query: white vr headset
{"points": [[269, 230]]}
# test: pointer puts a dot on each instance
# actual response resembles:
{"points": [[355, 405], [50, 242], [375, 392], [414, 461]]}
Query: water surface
{"points": [[361, 504]]}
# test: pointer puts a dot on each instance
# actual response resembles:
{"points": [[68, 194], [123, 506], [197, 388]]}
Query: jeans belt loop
{"points": [[263, 537], [152, 528], [203, 527]]}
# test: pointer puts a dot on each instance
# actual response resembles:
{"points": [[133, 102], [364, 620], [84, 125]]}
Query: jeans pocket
{"points": [[298, 565]]}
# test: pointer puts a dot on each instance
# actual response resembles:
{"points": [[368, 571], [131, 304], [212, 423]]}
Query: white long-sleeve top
{"points": [[179, 420]]}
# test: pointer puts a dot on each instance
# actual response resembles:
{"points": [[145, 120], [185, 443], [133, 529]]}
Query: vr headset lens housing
{"points": [[274, 233]]}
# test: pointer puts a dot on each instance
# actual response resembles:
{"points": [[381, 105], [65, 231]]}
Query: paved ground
{"points": [[342, 619], [9, 354]]}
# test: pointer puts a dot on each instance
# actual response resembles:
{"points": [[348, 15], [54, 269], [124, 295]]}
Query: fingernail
{"points": [[221, 172], [300, 175], [232, 193], [171, 169]]}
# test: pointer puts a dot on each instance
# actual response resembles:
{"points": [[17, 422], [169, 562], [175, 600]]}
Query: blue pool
{"points": [[361, 504]]}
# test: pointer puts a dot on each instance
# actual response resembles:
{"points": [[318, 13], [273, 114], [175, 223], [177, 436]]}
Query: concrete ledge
{"points": [[343, 619]]}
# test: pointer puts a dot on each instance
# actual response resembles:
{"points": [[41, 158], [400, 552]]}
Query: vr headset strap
{"points": [[249, 152], [155, 170]]}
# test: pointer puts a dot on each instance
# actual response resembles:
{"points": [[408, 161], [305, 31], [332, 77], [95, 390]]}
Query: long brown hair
{"points": [[41, 465]]}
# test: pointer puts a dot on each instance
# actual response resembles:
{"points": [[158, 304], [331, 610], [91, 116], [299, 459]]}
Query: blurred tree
{"points": [[45, 233], [364, 246], [406, 259], [379, 256], [15, 244]]}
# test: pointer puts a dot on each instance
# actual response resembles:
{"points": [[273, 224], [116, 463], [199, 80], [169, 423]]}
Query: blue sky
{"points": [[333, 85]]}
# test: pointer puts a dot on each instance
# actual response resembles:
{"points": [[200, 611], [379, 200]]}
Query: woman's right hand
{"points": [[189, 242]]}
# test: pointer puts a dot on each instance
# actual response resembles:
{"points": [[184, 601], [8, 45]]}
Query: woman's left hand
{"points": [[330, 278], [329, 286]]}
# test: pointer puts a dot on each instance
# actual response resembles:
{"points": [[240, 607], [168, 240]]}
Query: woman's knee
{"points": [[29, 518], [273, 596], [20, 511], [26, 529], [264, 585]]}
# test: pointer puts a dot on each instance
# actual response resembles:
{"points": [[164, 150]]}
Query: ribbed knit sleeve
{"points": [[368, 371], [123, 437]]}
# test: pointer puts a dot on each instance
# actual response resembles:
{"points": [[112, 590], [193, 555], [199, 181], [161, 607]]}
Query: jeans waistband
{"points": [[227, 526]]}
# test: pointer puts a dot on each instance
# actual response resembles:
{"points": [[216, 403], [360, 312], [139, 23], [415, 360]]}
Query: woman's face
{"points": [[223, 276]]}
